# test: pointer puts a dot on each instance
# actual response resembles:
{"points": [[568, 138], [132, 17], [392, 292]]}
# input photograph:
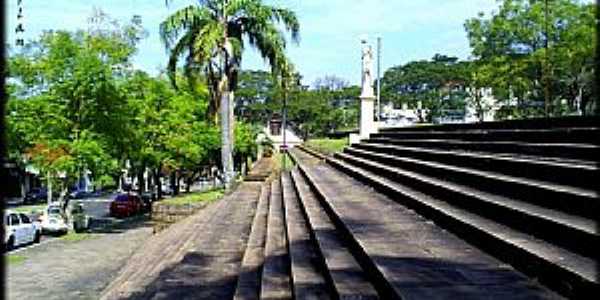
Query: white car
{"points": [[52, 220], [20, 230]]}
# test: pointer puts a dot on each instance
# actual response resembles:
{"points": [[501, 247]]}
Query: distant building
{"points": [[391, 117], [274, 132], [488, 104]]}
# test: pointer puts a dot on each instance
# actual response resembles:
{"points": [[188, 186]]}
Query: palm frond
{"points": [[289, 19], [208, 41], [188, 18], [180, 49], [268, 40]]}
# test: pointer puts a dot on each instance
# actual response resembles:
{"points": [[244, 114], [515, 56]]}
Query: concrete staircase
{"points": [[449, 223], [522, 191]]}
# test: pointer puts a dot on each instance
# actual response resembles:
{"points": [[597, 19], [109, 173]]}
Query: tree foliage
{"points": [[536, 53], [437, 84], [211, 36], [77, 104]]}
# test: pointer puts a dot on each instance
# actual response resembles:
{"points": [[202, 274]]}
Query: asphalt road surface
{"points": [[98, 208], [64, 269]]}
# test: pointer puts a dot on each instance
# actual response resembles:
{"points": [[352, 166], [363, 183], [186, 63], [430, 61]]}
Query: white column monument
{"points": [[367, 96]]}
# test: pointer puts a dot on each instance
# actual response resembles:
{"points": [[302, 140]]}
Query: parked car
{"points": [[81, 221], [53, 220], [125, 205], [166, 189], [36, 195], [19, 229]]}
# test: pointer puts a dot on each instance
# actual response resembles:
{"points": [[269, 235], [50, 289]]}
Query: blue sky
{"points": [[330, 30]]}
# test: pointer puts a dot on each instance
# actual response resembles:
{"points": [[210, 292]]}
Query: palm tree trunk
{"points": [[226, 133]]}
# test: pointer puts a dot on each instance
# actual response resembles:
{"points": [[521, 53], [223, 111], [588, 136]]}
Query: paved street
{"points": [[75, 269], [97, 208]]}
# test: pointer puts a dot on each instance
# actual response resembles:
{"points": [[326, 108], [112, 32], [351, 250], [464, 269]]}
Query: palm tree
{"points": [[211, 37]]}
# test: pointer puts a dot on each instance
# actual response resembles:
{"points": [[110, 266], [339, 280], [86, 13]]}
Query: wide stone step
{"points": [[560, 172], [571, 274], [276, 273], [344, 274], [307, 279], [569, 135], [550, 151], [568, 199], [261, 170], [406, 254], [520, 124], [249, 280], [570, 231]]}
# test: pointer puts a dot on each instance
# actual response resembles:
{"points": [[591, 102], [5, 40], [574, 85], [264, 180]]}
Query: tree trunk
{"points": [[172, 183], [227, 134], [188, 184], [177, 181], [140, 180], [158, 183], [480, 112], [22, 182], [149, 180], [49, 190]]}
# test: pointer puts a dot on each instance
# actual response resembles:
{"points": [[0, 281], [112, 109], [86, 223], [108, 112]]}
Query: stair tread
{"points": [[248, 286], [308, 282], [455, 141], [574, 221], [491, 131], [345, 273], [415, 256], [531, 159], [568, 152], [577, 264], [275, 276], [532, 135], [503, 177]]}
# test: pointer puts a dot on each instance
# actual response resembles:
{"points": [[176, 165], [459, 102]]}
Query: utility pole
{"points": [[378, 106], [283, 122]]}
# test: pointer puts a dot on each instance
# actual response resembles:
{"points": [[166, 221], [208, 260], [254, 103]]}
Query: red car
{"points": [[125, 205]]}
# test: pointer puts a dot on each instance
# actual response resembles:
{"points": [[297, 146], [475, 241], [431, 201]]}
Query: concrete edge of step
{"points": [[569, 276]]}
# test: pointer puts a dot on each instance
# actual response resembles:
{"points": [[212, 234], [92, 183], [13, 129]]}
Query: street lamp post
{"points": [[283, 122], [378, 106]]}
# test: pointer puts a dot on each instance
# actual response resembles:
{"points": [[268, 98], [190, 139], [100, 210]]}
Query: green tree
{"points": [[541, 54], [66, 111], [211, 37], [438, 84], [168, 129], [255, 96]]}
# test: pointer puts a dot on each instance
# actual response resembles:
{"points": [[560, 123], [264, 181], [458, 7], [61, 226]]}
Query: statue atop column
{"points": [[367, 70]]}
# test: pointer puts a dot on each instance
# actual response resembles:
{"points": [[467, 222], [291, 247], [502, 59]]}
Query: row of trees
{"points": [[330, 105], [537, 56], [77, 104]]}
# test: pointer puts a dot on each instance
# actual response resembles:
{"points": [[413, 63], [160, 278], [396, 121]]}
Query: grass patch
{"points": [[423, 124], [207, 196], [15, 259], [73, 237], [327, 146], [30, 208]]}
